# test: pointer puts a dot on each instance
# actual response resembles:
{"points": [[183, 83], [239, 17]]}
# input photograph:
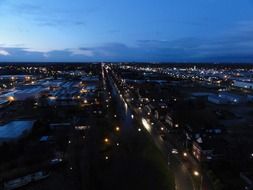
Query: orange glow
{"points": [[11, 98]]}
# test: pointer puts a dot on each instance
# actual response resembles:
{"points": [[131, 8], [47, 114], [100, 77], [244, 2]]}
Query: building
{"points": [[243, 84], [15, 130], [227, 98], [215, 99], [232, 98], [23, 93], [3, 103], [208, 149], [247, 179]]}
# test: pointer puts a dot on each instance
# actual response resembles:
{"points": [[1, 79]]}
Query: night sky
{"points": [[126, 30]]}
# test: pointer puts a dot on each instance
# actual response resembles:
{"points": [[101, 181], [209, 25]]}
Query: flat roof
{"points": [[15, 129]]}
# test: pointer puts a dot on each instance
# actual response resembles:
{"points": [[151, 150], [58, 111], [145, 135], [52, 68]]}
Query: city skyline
{"points": [[148, 31]]}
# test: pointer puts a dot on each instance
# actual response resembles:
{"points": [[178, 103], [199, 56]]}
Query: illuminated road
{"points": [[183, 178]]}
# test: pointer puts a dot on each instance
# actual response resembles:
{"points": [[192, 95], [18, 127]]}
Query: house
{"points": [[208, 149], [195, 133], [171, 120]]}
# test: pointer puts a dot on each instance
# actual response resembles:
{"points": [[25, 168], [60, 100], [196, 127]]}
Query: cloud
{"points": [[150, 51], [82, 51], [4, 52], [58, 22], [235, 45]]}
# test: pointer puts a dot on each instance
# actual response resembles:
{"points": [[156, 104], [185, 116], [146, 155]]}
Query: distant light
{"points": [[185, 154], [106, 157], [11, 98], [196, 173], [106, 140], [132, 116], [162, 129], [69, 142], [146, 125], [117, 129], [139, 129]]}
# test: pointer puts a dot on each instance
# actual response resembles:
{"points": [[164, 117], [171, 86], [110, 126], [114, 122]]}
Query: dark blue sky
{"points": [[126, 30]]}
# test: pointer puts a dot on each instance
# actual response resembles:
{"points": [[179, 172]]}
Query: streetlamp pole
{"points": [[201, 182]]}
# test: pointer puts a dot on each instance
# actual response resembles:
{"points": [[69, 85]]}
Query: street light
{"points": [[185, 154], [11, 98], [117, 129], [106, 140], [196, 173]]}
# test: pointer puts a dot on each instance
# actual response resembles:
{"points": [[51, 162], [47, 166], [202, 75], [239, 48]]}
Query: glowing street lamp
{"points": [[117, 129], [11, 98], [106, 140], [196, 173]]}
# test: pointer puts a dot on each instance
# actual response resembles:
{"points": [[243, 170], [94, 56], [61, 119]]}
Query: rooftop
{"points": [[15, 129]]}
